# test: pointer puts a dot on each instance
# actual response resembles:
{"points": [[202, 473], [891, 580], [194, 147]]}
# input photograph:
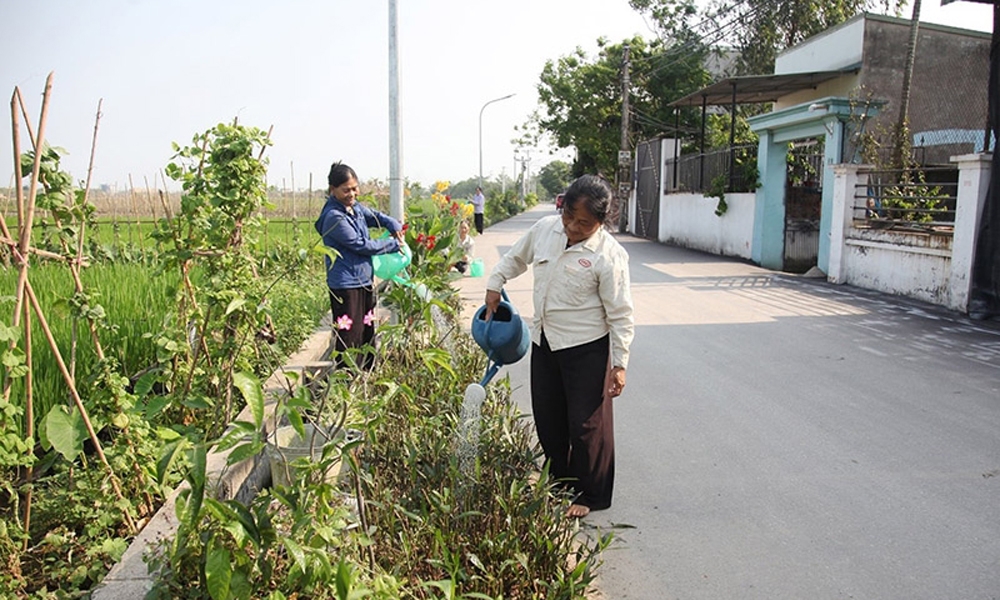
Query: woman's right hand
{"points": [[492, 303]]}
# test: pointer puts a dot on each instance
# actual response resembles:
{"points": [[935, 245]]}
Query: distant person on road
{"points": [[581, 333], [343, 224], [466, 248], [479, 208]]}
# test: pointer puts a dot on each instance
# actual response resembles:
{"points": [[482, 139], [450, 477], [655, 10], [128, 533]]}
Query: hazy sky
{"points": [[315, 70]]}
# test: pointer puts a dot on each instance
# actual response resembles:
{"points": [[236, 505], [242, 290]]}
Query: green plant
{"points": [[216, 231], [425, 527], [85, 460], [717, 189]]}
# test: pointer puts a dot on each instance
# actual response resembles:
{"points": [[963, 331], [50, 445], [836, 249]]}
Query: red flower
{"points": [[420, 238], [454, 208], [431, 241], [405, 227]]}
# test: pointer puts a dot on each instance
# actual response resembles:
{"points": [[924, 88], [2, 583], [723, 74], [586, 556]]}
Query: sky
{"points": [[315, 71]]}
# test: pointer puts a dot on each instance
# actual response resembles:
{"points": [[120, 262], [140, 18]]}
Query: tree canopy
{"points": [[757, 29], [555, 177], [580, 97]]}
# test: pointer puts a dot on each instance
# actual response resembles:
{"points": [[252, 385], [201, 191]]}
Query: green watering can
{"points": [[392, 265]]}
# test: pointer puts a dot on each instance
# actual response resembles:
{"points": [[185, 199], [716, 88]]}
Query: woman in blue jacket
{"points": [[343, 223]]}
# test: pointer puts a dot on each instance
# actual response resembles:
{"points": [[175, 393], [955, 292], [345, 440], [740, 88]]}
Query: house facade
{"points": [[825, 92]]}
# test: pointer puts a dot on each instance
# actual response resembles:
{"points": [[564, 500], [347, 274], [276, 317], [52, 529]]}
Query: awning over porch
{"points": [[756, 89]]}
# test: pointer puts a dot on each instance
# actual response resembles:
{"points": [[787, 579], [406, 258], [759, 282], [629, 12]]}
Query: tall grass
{"points": [[134, 300], [118, 232]]}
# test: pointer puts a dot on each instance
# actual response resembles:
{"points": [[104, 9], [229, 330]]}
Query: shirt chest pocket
{"points": [[575, 284]]}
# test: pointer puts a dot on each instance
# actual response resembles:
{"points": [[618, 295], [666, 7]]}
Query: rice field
{"points": [[134, 300], [297, 232]]}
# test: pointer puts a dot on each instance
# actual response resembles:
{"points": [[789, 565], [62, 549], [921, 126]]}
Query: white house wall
{"points": [[689, 220], [837, 48]]}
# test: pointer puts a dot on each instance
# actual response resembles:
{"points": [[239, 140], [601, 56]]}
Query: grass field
{"points": [[113, 232], [134, 300]]}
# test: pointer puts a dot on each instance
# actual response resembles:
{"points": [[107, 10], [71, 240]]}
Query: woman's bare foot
{"points": [[577, 511]]}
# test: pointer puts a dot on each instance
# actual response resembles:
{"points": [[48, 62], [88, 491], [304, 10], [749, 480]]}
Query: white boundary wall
{"points": [[934, 268], [689, 220]]}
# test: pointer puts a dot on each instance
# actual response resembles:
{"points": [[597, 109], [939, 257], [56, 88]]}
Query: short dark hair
{"points": [[593, 192], [340, 173]]}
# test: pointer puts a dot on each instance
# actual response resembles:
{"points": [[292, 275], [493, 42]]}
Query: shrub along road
{"points": [[783, 437]]}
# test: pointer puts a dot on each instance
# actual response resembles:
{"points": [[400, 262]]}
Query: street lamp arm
{"points": [[481, 133]]}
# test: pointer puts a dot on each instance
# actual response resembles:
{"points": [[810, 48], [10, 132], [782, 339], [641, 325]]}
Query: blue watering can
{"points": [[504, 338]]}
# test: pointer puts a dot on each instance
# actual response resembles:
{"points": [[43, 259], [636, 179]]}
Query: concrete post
{"points": [[846, 178], [769, 214], [973, 183], [832, 155]]}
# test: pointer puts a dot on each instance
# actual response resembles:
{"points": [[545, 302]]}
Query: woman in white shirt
{"points": [[581, 332]]}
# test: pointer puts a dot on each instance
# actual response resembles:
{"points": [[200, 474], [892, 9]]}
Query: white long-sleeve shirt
{"points": [[580, 293]]}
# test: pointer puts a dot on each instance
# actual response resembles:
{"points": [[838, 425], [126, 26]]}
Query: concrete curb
{"points": [[130, 579]]}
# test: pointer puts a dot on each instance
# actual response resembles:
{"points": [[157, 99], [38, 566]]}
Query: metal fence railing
{"points": [[920, 199], [697, 172]]}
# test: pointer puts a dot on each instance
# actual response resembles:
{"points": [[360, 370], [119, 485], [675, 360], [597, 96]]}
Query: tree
{"points": [[555, 177], [580, 98], [758, 29]]}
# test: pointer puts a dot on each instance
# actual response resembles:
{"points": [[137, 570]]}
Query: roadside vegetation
{"points": [[130, 350]]}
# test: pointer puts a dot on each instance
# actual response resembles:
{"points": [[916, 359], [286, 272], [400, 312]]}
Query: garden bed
{"points": [[130, 578]]}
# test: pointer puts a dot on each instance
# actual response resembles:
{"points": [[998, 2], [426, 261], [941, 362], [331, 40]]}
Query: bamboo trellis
{"points": [[26, 302]]}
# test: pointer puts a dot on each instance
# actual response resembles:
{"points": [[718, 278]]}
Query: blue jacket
{"points": [[348, 234]]}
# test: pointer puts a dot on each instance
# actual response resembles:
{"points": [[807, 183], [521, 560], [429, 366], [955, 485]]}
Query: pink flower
{"points": [[370, 317], [344, 322]]}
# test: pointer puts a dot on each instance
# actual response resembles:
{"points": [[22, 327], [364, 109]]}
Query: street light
{"points": [[481, 134]]}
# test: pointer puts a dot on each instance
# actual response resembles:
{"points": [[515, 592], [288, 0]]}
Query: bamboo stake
{"points": [[20, 259], [6, 239], [76, 399], [15, 131], [131, 207], [29, 434], [3, 219], [24, 110], [74, 266], [135, 212], [29, 209], [149, 197]]}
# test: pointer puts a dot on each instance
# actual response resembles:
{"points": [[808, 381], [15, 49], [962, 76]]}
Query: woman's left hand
{"points": [[616, 382], [401, 236]]}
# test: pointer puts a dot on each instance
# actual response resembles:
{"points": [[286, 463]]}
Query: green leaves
{"points": [[65, 430], [250, 387], [218, 572]]}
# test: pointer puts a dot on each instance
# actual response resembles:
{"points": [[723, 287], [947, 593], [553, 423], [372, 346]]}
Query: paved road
{"points": [[785, 438]]}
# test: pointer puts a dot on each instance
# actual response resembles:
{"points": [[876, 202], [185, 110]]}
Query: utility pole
{"points": [[395, 130], [619, 212], [525, 160]]}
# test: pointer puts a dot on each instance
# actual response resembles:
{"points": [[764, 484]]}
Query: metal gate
{"points": [[648, 190], [802, 216]]}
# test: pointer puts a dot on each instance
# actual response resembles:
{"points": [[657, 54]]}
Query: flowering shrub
{"points": [[432, 234]]}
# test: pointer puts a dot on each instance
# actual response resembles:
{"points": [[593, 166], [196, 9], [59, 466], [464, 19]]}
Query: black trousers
{"points": [[477, 219], [355, 303], [574, 417]]}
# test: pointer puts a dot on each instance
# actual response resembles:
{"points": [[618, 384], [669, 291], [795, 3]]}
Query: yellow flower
{"points": [[467, 210], [442, 186]]}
